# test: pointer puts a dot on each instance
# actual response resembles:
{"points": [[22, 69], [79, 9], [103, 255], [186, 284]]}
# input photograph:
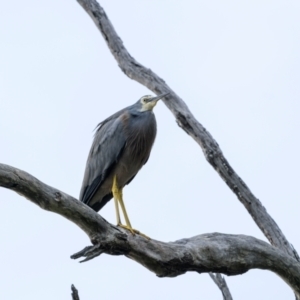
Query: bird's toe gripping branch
{"points": [[134, 231]]}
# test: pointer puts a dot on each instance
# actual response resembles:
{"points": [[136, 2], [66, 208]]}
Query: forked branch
{"points": [[215, 252], [185, 119], [227, 254]]}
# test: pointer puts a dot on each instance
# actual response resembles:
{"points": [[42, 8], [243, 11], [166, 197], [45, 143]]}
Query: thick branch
{"points": [[189, 124], [228, 254], [51, 199]]}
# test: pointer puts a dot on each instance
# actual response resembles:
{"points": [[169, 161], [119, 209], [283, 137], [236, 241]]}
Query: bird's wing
{"points": [[108, 144]]}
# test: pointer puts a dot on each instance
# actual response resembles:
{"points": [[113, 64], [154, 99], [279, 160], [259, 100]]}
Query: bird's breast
{"points": [[141, 133]]}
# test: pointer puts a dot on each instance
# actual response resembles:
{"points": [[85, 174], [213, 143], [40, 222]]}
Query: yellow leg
{"points": [[124, 211], [118, 198], [116, 194], [117, 211]]}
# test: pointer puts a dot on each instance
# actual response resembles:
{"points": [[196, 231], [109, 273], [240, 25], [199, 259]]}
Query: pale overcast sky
{"points": [[236, 65]]}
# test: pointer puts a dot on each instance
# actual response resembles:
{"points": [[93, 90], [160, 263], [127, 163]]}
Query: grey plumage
{"points": [[121, 146]]}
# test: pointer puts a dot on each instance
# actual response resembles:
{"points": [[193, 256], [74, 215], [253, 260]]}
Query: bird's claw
{"points": [[134, 231]]}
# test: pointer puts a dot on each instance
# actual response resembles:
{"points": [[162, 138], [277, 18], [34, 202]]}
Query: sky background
{"points": [[237, 66]]}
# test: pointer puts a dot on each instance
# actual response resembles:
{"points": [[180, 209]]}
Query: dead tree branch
{"points": [[222, 285], [214, 252], [228, 254], [189, 124], [75, 295]]}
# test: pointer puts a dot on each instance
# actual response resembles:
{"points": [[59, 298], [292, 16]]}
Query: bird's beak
{"points": [[155, 99]]}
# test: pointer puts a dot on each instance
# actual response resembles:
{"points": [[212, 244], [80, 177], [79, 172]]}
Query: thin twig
{"points": [[75, 295], [222, 285]]}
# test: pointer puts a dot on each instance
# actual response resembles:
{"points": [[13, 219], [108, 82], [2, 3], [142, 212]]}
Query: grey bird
{"points": [[121, 146]]}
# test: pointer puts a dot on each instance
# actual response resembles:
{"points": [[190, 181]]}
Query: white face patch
{"points": [[147, 105]]}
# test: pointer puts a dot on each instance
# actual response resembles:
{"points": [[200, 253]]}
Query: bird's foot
{"points": [[134, 231]]}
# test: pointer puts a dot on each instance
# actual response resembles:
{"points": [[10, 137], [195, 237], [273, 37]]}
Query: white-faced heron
{"points": [[121, 146]]}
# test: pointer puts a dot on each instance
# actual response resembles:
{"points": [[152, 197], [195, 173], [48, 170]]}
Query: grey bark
{"points": [[228, 254], [219, 280], [213, 252], [75, 295], [184, 118], [190, 125]]}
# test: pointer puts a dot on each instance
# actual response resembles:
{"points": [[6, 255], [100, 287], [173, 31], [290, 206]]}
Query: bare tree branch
{"points": [[189, 124], [75, 295], [221, 283], [215, 252], [228, 254]]}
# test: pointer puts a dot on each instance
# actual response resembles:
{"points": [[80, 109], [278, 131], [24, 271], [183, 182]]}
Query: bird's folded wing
{"points": [[108, 144]]}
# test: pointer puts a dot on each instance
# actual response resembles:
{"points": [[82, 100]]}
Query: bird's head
{"points": [[147, 102]]}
